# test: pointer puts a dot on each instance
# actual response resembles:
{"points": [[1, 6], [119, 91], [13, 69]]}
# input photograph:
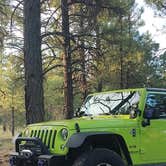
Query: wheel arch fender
{"points": [[77, 139]]}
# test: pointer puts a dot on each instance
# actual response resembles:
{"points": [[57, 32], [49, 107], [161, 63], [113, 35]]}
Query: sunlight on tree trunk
{"points": [[68, 83]]}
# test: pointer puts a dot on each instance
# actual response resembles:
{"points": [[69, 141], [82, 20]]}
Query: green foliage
{"points": [[108, 49], [107, 53], [12, 90], [54, 96]]}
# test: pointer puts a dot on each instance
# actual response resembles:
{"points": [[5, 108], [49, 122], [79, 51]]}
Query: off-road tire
{"points": [[99, 157]]}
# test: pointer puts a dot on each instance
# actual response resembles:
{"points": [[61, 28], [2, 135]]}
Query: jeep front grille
{"points": [[47, 136]]}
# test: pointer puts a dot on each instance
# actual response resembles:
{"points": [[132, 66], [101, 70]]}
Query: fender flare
{"points": [[77, 139]]}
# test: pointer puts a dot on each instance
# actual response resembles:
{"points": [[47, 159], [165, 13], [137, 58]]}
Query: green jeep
{"points": [[117, 128]]}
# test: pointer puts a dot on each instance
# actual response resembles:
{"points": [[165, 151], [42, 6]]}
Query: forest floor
{"points": [[6, 146]]}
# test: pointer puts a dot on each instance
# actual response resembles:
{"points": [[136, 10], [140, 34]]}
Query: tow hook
{"points": [[26, 153], [42, 162], [12, 160]]}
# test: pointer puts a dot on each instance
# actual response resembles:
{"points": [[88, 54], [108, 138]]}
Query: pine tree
{"points": [[34, 101]]}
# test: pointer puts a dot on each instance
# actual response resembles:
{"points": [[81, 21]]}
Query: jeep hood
{"points": [[92, 123]]}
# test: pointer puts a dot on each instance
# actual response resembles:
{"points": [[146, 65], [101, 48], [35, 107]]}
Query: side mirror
{"points": [[148, 114]]}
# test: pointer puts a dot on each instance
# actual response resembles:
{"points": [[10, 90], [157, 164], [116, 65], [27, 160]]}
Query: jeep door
{"points": [[153, 135]]}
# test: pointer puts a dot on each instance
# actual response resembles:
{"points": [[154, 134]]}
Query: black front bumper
{"points": [[43, 160], [32, 152]]}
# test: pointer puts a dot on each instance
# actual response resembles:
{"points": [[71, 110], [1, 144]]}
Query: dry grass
{"points": [[6, 146]]}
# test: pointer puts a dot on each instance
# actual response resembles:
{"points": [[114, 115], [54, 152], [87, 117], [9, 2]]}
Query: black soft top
{"points": [[156, 89]]}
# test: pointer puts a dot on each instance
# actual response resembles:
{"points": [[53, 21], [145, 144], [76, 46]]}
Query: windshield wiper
{"points": [[106, 113]]}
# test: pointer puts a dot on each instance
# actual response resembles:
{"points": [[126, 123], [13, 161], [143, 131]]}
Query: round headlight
{"points": [[64, 133]]}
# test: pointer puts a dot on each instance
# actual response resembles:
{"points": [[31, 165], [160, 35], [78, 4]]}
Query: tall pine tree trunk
{"points": [[68, 82], [83, 83], [34, 102], [121, 53]]}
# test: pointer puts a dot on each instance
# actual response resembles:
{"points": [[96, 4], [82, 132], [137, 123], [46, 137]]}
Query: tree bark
{"points": [[12, 124], [83, 83], [34, 100], [68, 82], [121, 53]]}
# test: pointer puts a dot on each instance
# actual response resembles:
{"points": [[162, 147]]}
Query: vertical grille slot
{"points": [[38, 135], [45, 138], [42, 135], [49, 138], [53, 140], [31, 133], [35, 133]]}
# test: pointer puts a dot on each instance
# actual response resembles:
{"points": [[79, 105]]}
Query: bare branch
{"points": [[51, 34], [51, 48], [13, 13], [52, 15], [51, 68]]}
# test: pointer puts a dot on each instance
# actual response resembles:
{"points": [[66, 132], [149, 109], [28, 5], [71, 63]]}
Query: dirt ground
{"points": [[6, 147], [4, 157]]}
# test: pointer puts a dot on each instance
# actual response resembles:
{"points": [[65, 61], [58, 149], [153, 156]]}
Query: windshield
{"points": [[115, 103]]}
